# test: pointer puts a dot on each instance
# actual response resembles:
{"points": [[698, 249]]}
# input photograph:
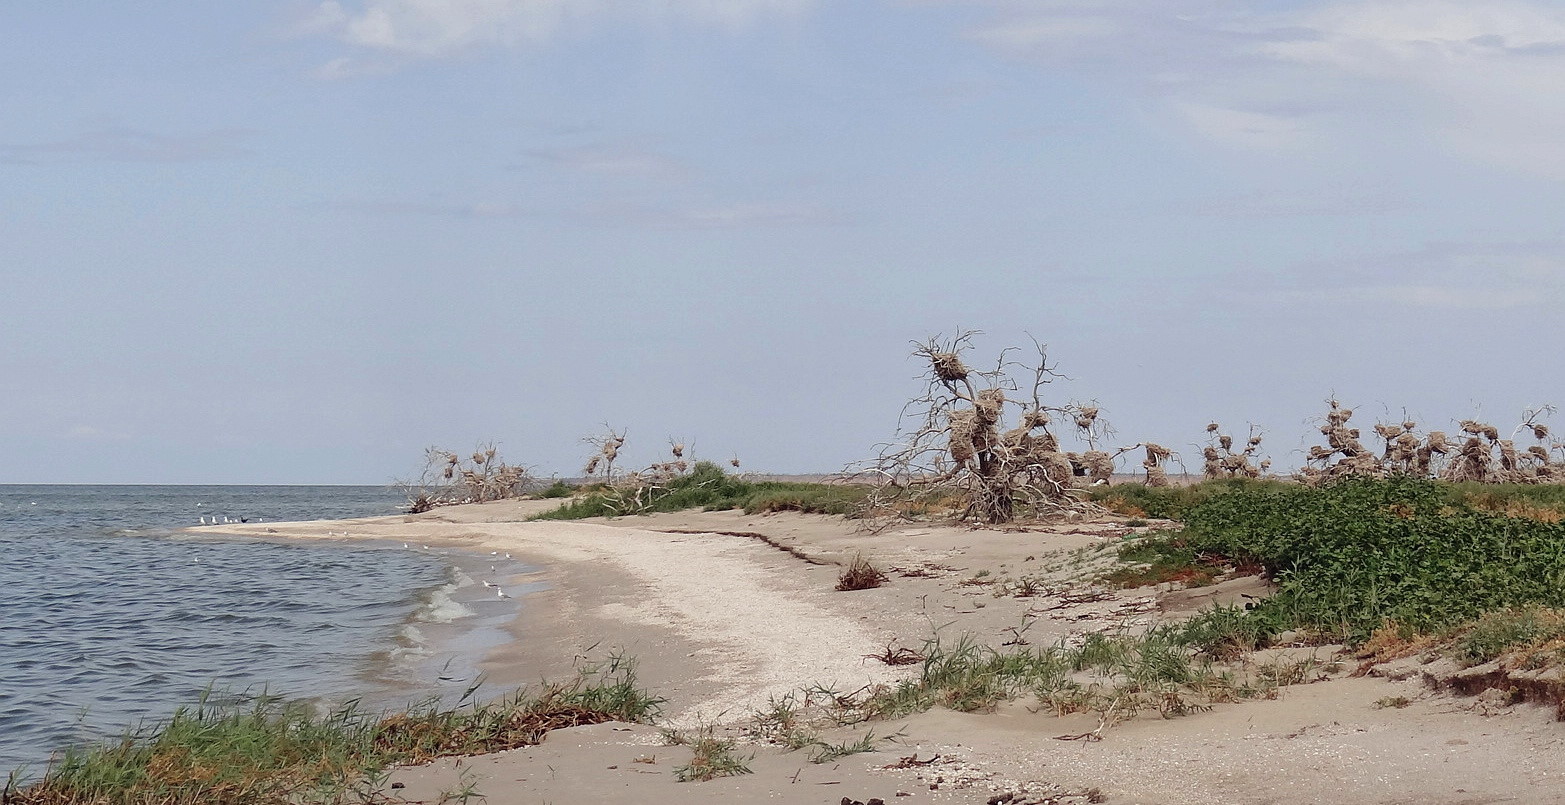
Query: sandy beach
{"points": [[725, 611]]}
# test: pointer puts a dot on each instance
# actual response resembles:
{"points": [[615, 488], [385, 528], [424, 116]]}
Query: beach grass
{"points": [[1114, 677], [274, 751]]}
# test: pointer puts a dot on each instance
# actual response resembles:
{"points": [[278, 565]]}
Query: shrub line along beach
{"points": [[1233, 641]]}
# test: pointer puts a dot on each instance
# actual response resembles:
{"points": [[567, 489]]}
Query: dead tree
{"points": [[983, 439], [448, 478], [1221, 460]]}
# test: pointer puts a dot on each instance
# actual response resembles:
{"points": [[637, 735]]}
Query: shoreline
{"points": [[720, 623]]}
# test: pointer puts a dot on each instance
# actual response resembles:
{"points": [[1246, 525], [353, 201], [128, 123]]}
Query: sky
{"points": [[298, 242]]}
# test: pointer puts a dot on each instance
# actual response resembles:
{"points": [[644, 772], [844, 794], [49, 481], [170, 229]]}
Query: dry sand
{"points": [[724, 610]]}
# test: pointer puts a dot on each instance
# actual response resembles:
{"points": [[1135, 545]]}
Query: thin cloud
{"points": [[613, 160], [132, 145], [1479, 80], [723, 216], [436, 28], [1444, 276]]}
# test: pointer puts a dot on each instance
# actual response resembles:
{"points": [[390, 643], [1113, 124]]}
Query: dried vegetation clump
{"points": [[860, 575], [634, 492], [986, 439], [1221, 460], [449, 478], [1477, 453]]}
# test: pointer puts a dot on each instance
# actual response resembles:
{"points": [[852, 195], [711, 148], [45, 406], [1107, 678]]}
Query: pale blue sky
{"points": [[274, 242]]}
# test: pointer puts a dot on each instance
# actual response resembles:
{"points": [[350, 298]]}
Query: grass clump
{"points": [[1164, 557], [1114, 677], [709, 488], [824, 752], [711, 757], [860, 575], [273, 752], [558, 489], [1534, 634]]}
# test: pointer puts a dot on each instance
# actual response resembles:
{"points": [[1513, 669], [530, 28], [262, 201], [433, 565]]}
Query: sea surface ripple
{"points": [[109, 617]]}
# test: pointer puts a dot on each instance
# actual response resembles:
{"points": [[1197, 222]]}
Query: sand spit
{"points": [[721, 620]]}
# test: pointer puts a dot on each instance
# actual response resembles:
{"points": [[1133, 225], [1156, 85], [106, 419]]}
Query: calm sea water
{"points": [[109, 617]]}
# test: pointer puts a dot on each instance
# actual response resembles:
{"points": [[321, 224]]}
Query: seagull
{"points": [[404, 546], [491, 584], [508, 555], [494, 553], [501, 593]]}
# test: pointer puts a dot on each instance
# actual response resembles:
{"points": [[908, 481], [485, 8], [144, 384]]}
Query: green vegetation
{"points": [[1168, 670], [1169, 502], [558, 489], [271, 751], [1164, 557], [1535, 634], [707, 487], [711, 757], [1351, 556]]}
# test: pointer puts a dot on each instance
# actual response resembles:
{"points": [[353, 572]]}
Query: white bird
{"points": [[501, 593], [491, 584], [404, 546], [508, 556], [494, 553], [426, 547]]}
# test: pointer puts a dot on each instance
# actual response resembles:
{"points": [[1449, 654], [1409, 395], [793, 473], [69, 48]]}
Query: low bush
{"points": [[1354, 554]]}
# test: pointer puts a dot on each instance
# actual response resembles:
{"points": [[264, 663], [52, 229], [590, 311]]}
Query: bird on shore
{"points": [[501, 593], [491, 584]]}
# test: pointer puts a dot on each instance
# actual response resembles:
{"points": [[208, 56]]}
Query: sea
{"points": [[112, 615]]}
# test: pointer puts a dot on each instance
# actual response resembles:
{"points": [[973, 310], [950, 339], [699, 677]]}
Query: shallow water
{"points": [[109, 617]]}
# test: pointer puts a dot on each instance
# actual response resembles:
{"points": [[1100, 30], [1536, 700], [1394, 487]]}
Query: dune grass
{"points": [[1114, 677], [272, 751]]}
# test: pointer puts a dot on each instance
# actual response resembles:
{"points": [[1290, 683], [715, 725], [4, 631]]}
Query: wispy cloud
{"points": [[722, 216], [433, 28], [1478, 79], [1458, 276], [741, 215], [472, 210], [93, 433], [132, 145], [619, 159]]}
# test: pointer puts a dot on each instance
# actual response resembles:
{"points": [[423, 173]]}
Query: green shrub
{"points": [[1352, 555], [707, 487]]}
